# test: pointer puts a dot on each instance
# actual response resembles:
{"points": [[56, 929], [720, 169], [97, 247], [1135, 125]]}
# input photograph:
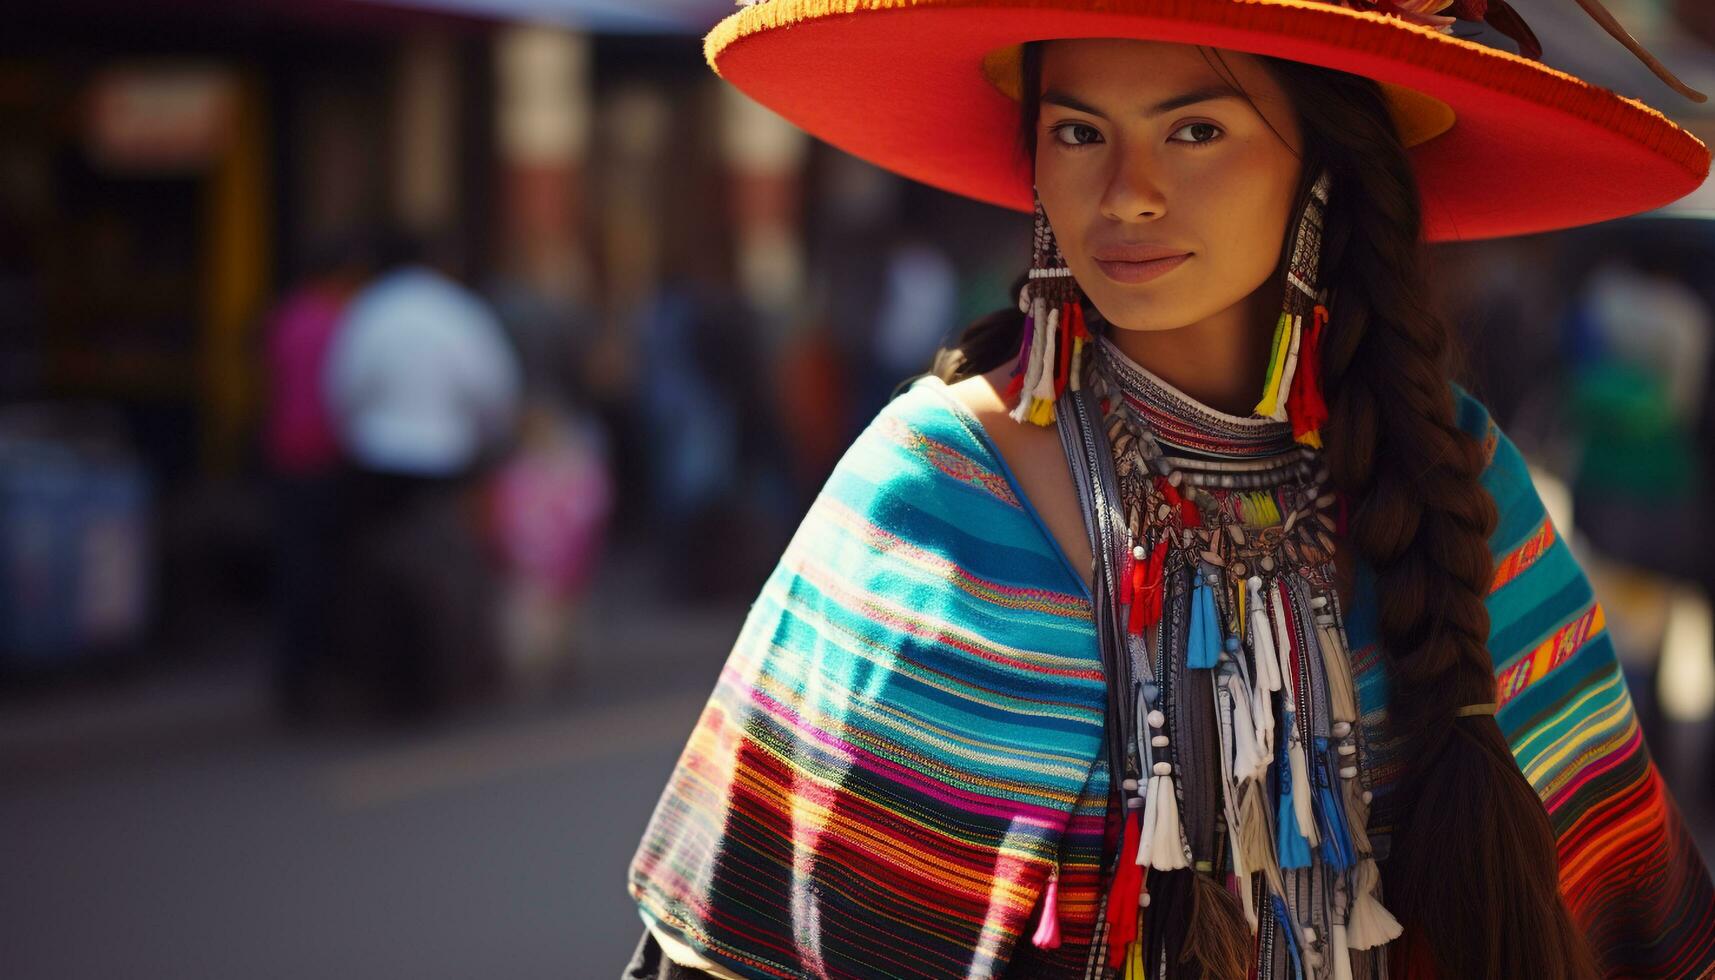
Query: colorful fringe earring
{"points": [[1292, 387], [1051, 357]]}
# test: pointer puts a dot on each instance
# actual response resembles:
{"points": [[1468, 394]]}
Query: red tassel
{"points": [[1014, 386], [1139, 597], [1157, 563], [1123, 895], [1304, 403], [1078, 328], [1188, 513]]}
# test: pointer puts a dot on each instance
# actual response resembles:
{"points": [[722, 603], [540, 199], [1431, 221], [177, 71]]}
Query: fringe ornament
{"points": [[1167, 850], [1304, 403], [1272, 401], [1370, 925], [1255, 839], [1123, 894], [1036, 341], [1342, 697], [1048, 929], [1341, 952]]}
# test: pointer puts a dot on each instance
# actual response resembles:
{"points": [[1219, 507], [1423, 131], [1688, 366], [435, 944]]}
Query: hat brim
{"points": [[901, 83]]}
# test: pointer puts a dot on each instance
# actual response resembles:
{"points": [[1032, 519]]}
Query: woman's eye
{"points": [[1085, 130], [1203, 133]]}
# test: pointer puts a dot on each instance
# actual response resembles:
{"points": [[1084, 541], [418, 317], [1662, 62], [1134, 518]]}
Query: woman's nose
{"points": [[1133, 192]]}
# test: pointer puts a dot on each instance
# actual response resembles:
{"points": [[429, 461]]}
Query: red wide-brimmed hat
{"points": [[1501, 143]]}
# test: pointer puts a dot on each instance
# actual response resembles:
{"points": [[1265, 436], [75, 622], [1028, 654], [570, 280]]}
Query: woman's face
{"points": [[1143, 149]]}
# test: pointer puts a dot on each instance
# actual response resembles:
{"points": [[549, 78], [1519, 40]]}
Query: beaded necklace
{"points": [[1242, 755]]}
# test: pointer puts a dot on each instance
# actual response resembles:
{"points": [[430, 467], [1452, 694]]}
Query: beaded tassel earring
{"points": [[1292, 388], [1050, 359]]}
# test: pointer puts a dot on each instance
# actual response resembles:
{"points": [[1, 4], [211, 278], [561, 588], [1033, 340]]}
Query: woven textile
{"points": [[907, 736]]}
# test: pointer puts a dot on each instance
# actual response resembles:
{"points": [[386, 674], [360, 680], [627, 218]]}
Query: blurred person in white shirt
{"points": [[424, 388]]}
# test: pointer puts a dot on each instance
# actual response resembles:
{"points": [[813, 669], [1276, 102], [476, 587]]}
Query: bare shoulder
{"points": [[1036, 459]]}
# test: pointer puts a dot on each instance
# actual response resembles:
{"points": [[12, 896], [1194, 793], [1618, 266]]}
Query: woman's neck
{"points": [[1220, 361]]}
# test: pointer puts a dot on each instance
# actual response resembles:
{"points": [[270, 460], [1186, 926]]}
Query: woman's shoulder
{"points": [[925, 439], [1506, 474], [925, 477]]}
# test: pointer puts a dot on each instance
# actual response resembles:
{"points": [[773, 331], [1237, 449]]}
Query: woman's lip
{"points": [[1135, 272]]}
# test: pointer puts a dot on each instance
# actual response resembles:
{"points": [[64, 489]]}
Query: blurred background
{"points": [[337, 645]]}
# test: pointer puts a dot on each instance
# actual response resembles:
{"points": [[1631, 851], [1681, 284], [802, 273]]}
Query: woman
{"points": [[1089, 661]]}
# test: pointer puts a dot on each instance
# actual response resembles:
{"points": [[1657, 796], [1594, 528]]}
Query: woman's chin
{"points": [[1127, 318]]}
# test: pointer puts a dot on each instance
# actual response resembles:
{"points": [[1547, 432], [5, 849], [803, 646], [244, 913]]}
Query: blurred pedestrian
{"points": [[423, 388], [302, 454]]}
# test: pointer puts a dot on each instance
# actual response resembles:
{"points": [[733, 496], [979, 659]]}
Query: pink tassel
{"points": [[1048, 931]]}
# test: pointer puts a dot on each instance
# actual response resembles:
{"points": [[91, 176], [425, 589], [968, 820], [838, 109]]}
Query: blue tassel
{"points": [[1203, 649], [1290, 843], [1212, 624], [1288, 935], [1336, 845]]}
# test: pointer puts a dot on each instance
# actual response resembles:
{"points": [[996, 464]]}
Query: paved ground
{"points": [[170, 831]]}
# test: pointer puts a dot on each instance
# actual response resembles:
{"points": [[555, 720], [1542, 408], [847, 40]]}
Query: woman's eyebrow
{"points": [[1207, 93]]}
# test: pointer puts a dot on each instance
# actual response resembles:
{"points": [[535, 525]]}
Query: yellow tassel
{"points": [[1077, 360], [1284, 384], [1276, 364], [1042, 411], [1134, 957], [1312, 438]]}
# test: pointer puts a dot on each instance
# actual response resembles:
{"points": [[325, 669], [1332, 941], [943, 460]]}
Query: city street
{"points": [[220, 846]]}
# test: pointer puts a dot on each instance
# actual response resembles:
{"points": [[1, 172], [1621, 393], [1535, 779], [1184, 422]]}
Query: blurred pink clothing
{"points": [[300, 439]]}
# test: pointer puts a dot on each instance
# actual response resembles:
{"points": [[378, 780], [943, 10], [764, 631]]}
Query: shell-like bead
{"points": [[1347, 772], [1342, 728], [1156, 718], [1158, 740], [1166, 769]]}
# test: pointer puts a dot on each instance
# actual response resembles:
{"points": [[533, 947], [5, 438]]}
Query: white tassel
{"points": [[1248, 759], [1045, 380], [1262, 639], [1283, 648], [1262, 711], [1033, 370], [1232, 716], [1342, 953], [1371, 925], [1167, 848], [1151, 812], [1301, 786], [1267, 672], [1289, 368]]}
